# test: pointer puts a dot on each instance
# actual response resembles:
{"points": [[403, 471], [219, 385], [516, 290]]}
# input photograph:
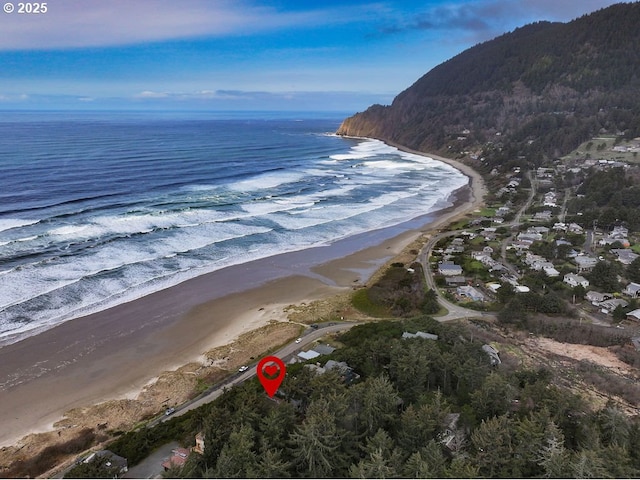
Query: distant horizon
{"points": [[244, 54]]}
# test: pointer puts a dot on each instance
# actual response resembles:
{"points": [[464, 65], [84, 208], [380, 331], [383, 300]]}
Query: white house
{"points": [[634, 315], [574, 280], [633, 290]]}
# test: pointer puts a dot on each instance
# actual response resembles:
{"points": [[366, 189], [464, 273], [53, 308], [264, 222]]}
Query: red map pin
{"points": [[270, 375]]}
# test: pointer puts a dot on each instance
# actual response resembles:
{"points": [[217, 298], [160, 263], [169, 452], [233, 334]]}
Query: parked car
{"points": [[169, 411], [243, 368], [298, 340]]}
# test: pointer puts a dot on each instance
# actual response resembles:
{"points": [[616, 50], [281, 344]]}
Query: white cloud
{"points": [[92, 23], [151, 94]]}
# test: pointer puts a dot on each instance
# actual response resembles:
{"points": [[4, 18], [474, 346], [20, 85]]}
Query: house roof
{"points": [[635, 314], [308, 355], [427, 336]]}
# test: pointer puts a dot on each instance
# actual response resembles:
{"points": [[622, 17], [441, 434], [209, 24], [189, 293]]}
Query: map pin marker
{"points": [[270, 375]]}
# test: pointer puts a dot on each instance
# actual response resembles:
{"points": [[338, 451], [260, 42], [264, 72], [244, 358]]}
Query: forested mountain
{"points": [[549, 86]]}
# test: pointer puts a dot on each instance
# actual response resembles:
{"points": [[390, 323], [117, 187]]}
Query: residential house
{"points": [[596, 298], [529, 237], [493, 354], [633, 290], [585, 263], [177, 459], [544, 216], [324, 349], [455, 280], [551, 271], [634, 315], [308, 355], [471, 293], [574, 280], [575, 228], [110, 459], [453, 436], [449, 268], [346, 373], [608, 306], [560, 227], [625, 255]]}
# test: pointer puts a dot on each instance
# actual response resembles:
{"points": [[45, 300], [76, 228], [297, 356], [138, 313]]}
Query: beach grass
{"points": [[364, 304]]}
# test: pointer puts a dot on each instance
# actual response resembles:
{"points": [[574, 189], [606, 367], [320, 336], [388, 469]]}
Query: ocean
{"points": [[97, 209]]}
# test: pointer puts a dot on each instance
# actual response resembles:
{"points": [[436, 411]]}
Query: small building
{"points": [[493, 354], [308, 355], [177, 459], [426, 336], [199, 447], [633, 290], [608, 306], [585, 263], [456, 280], [346, 373], [634, 315], [110, 460], [551, 271], [596, 298], [449, 269], [470, 293], [325, 349], [625, 255], [574, 280]]}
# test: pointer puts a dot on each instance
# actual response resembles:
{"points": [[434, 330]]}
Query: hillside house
{"points": [[596, 298], [575, 228], [449, 269], [633, 290], [608, 306], [574, 280], [625, 255], [634, 315], [585, 263], [493, 354], [456, 280], [470, 293], [177, 459], [109, 460]]}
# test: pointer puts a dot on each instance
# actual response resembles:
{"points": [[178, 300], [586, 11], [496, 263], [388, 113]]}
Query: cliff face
{"points": [[551, 84]]}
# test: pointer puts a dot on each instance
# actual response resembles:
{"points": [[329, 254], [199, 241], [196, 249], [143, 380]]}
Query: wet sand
{"points": [[114, 353]]}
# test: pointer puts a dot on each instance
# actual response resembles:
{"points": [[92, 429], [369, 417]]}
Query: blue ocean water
{"points": [[101, 208]]}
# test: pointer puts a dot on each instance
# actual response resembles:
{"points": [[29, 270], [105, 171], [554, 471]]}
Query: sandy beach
{"points": [[113, 354]]}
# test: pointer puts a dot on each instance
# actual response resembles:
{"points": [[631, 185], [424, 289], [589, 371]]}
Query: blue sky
{"points": [[244, 54]]}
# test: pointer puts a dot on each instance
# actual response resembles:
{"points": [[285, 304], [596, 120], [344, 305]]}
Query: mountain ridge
{"points": [[547, 86]]}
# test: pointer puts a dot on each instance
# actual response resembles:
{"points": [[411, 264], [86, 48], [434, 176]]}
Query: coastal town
{"points": [[542, 244]]}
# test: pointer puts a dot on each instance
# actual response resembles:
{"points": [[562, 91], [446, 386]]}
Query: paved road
{"points": [[286, 351], [455, 311], [151, 467], [515, 224]]}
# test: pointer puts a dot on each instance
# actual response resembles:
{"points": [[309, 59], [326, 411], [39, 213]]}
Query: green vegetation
{"points": [[400, 292], [421, 408], [545, 88]]}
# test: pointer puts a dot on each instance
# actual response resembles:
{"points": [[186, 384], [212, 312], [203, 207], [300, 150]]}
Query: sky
{"points": [[289, 55]]}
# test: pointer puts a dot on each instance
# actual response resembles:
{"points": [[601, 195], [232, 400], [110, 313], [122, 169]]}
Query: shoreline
{"points": [[105, 356]]}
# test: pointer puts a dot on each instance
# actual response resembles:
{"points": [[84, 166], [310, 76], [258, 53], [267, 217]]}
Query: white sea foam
{"points": [[294, 209], [9, 223], [266, 181]]}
